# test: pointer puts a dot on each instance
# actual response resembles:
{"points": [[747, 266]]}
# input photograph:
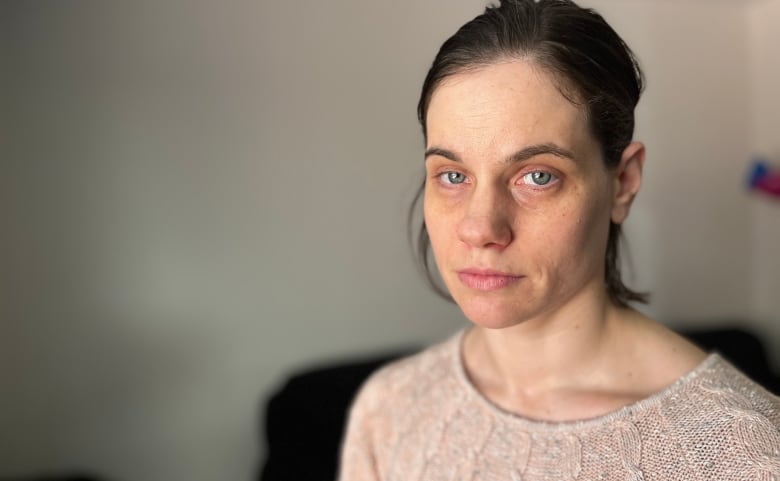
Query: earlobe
{"points": [[627, 179]]}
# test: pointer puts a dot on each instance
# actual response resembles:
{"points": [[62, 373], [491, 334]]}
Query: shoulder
{"points": [[721, 418], [716, 386], [723, 385], [406, 380], [394, 405]]}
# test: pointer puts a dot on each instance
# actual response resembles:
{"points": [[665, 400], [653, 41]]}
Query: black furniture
{"points": [[304, 420]]}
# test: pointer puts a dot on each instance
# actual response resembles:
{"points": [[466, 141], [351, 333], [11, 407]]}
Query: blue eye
{"points": [[453, 178], [538, 178]]}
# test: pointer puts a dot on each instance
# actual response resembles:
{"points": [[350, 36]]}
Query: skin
{"points": [[517, 205]]}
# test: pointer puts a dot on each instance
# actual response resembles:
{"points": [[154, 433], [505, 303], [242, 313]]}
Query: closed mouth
{"points": [[486, 280]]}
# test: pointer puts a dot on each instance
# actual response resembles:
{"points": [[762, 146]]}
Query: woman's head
{"points": [[581, 54]]}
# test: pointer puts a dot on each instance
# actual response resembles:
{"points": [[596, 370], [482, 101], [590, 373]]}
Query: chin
{"points": [[491, 314]]}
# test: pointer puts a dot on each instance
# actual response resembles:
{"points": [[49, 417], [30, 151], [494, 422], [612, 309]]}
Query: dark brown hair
{"points": [[595, 68]]}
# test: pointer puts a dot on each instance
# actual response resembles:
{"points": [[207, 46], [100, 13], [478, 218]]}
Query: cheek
{"points": [[572, 233], [587, 232], [441, 223], [433, 217], [557, 242]]}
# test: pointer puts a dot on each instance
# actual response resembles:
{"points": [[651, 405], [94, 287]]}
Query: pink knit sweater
{"points": [[420, 419]]}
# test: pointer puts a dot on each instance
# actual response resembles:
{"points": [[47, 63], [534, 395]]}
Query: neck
{"points": [[560, 349]]}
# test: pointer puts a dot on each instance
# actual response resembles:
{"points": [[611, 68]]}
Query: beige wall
{"points": [[764, 36], [197, 198]]}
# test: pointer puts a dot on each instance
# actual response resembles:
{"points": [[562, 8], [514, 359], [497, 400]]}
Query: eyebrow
{"points": [[519, 156]]}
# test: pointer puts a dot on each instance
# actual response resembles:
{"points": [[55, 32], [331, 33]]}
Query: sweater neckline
{"points": [[531, 424]]}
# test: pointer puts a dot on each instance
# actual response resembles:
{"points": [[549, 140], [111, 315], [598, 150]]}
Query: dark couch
{"points": [[304, 420]]}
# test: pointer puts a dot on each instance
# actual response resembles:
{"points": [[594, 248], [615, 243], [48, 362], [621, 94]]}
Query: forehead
{"points": [[507, 106]]}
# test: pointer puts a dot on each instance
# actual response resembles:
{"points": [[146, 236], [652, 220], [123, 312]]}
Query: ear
{"points": [[627, 180]]}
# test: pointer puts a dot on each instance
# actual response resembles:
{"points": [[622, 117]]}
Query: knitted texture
{"points": [[420, 419]]}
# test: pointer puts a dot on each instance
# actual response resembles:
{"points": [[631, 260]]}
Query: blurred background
{"points": [[199, 198]]}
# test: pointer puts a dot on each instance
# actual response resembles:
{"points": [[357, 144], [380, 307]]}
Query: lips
{"points": [[486, 279]]}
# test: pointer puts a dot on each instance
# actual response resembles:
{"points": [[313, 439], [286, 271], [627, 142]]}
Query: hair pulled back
{"points": [[594, 67]]}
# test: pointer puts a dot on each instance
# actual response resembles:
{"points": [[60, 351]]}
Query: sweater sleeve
{"points": [[358, 455]]}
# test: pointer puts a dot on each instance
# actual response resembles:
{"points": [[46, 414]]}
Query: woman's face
{"points": [[517, 198]]}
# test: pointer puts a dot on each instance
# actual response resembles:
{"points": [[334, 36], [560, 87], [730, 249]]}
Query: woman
{"points": [[527, 114]]}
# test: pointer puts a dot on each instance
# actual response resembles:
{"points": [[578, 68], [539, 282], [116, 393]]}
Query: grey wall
{"points": [[197, 198]]}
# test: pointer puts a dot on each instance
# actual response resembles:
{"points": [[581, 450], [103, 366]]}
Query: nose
{"points": [[486, 222]]}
